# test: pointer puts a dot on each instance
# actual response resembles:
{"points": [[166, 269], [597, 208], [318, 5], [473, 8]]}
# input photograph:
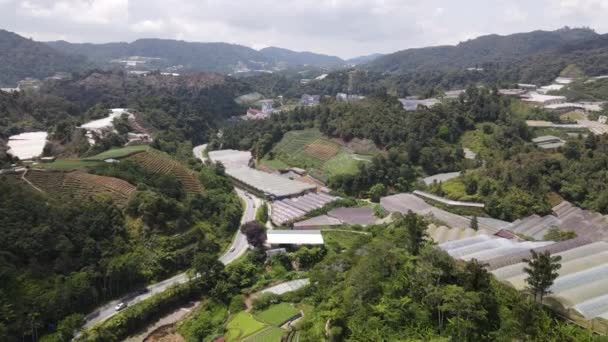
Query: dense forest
{"points": [[63, 256]]}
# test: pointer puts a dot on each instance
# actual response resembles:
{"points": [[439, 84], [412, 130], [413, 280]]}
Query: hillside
{"points": [[494, 49], [21, 57], [194, 56], [279, 55]]}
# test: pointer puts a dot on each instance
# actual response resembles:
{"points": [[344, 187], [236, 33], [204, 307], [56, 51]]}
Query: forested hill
{"points": [[193, 56], [21, 57], [279, 55], [488, 49]]}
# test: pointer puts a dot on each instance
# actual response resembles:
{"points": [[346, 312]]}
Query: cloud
{"points": [[341, 27]]}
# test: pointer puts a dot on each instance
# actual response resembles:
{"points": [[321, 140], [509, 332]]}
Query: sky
{"points": [[345, 28]]}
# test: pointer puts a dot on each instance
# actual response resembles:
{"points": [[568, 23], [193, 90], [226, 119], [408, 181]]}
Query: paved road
{"points": [[239, 244], [238, 248], [198, 152]]}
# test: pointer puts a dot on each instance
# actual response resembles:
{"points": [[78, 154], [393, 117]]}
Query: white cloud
{"points": [[148, 26], [91, 12]]}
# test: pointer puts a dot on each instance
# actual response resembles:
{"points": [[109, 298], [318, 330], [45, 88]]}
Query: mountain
{"points": [[192, 56], [364, 59], [21, 57], [279, 55], [486, 49]]}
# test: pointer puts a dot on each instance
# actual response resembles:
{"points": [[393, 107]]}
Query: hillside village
{"points": [[287, 196]]}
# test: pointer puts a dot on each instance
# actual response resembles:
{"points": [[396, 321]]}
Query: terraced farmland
{"points": [[79, 184], [156, 162], [311, 150]]}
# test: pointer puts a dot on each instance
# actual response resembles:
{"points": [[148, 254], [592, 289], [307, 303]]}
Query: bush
{"points": [[237, 303], [265, 300]]}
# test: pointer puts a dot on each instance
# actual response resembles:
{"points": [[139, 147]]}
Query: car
{"points": [[120, 306], [232, 249]]}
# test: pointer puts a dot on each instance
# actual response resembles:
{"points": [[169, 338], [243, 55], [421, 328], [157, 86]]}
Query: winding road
{"points": [[238, 247]]}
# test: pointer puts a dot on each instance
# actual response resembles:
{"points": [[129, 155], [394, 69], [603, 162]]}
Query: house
{"points": [[310, 100], [411, 104], [267, 106], [542, 100], [548, 142]]}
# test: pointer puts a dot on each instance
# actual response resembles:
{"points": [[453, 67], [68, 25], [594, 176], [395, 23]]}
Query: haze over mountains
{"points": [[23, 57]]}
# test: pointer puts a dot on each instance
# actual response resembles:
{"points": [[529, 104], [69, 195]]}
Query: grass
{"points": [[344, 240], [118, 153], [271, 334], [341, 164], [454, 189], [67, 164], [277, 314], [241, 326], [310, 150]]}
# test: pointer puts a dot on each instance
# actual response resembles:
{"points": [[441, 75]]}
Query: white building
{"points": [[542, 100], [294, 237]]}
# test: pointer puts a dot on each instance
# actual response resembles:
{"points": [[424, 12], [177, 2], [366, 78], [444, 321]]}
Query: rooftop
{"points": [[268, 183], [294, 237]]}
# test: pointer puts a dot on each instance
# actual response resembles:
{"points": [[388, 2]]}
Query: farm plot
{"points": [[309, 149], [270, 334], [118, 153], [241, 326], [156, 162], [278, 314]]}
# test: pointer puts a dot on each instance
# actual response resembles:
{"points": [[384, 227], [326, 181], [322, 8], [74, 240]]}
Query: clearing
{"points": [[117, 153], [311, 150]]}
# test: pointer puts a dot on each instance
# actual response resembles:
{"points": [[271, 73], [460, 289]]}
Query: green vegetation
{"points": [[542, 271], [277, 314], [242, 325], [309, 149], [68, 164], [206, 321], [118, 153], [270, 334]]}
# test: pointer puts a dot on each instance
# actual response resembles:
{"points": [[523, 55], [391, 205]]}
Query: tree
{"points": [[377, 191], [474, 223], [542, 271], [255, 232], [415, 229], [262, 214]]}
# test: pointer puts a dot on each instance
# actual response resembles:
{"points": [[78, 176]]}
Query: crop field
{"points": [[310, 150], [81, 185], [157, 162], [320, 149], [118, 153], [277, 314], [271, 334], [67, 164], [241, 326]]}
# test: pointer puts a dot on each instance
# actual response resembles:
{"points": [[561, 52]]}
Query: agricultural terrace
{"points": [[311, 150], [278, 314], [80, 185], [263, 326], [117, 153], [241, 326], [157, 162]]}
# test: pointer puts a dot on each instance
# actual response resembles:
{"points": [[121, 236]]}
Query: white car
{"points": [[232, 249], [120, 306]]}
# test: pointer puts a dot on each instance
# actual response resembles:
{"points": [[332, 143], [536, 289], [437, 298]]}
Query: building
{"points": [[537, 99], [453, 94], [574, 107], [268, 185], [548, 142], [411, 104], [255, 114], [310, 100], [512, 92], [526, 86], [267, 106], [294, 237], [290, 209], [349, 97], [340, 216], [602, 119], [564, 80], [549, 88]]}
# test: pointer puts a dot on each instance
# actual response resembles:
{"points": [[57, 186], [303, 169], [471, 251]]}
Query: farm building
{"points": [[269, 185], [453, 94], [551, 87], [294, 237], [349, 97], [575, 107], [231, 158], [27, 146], [338, 217], [288, 210], [412, 104], [512, 92], [537, 99], [526, 86], [581, 290], [548, 142]]}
